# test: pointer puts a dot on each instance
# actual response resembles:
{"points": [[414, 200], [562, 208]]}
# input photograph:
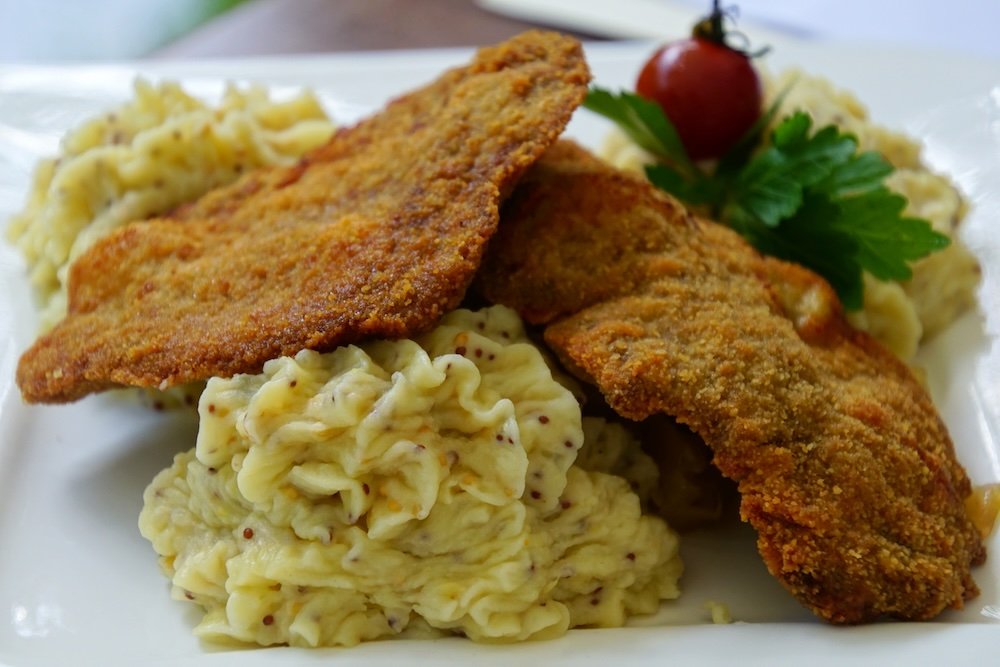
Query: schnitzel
{"points": [[375, 234], [843, 465]]}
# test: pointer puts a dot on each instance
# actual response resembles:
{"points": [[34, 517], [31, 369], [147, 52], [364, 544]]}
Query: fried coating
{"points": [[377, 233], [843, 465]]}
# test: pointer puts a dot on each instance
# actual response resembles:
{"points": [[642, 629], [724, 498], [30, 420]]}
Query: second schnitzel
{"points": [[376, 234], [843, 465]]}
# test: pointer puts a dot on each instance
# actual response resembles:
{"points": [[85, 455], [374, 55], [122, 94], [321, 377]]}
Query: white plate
{"points": [[78, 585]]}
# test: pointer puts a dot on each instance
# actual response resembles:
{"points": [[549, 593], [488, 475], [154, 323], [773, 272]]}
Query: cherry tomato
{"points": [[710, 92]]}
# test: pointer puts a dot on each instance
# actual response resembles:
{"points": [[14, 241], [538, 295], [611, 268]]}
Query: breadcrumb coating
{"points": [[375, 234], [843, 465]]}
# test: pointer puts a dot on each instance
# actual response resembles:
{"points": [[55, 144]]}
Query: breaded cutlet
{"points": [[843, 465], [375, 234]]}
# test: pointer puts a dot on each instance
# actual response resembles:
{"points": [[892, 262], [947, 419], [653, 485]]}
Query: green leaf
{"points": [[668, 179], [792, 131], [887, 241], [737, 157], [811, 238], [861, 173], [771, 186], [770, 193], [813, 158], [813, 199], [643, 121]]}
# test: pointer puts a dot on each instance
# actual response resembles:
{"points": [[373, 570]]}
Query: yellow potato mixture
{"points": [[395, 487], [159, 150]]}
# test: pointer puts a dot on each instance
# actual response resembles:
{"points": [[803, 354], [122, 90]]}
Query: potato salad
{"points": [[407, 486]]}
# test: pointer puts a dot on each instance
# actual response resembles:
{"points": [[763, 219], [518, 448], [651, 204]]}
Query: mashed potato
{"points": [[343, 497], [609, 447], [160, 150], [899, 314]]}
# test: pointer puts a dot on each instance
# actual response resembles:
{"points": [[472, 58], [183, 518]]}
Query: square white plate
{"points": [[78, 585]]}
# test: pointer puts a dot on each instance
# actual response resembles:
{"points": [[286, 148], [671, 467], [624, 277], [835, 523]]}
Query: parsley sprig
{"points": [[807, 197]]}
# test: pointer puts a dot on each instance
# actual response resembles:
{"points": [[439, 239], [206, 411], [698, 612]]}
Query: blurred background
{"points": [[75, 30]]}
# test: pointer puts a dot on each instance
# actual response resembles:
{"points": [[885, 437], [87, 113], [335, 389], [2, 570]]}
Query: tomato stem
{"points": [[711, 27]]}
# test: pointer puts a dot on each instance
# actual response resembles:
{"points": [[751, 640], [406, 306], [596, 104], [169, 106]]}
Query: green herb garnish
{"points": [[807, 197]]}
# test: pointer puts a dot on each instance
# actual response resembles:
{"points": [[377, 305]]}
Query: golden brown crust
{"points": [[843, 465], [377, 233]]}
